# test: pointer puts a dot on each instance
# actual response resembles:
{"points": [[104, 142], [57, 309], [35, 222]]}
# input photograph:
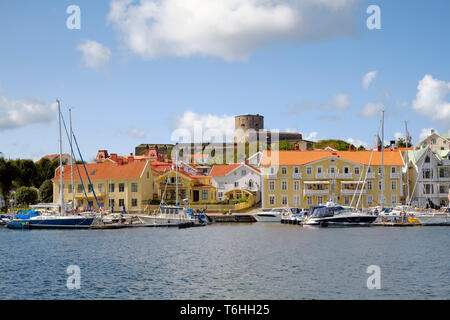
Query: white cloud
{"points": [[431, 100], [357, 142], [425, 132], [368, 78], [137, 133], [194, 127], [312, 136], [95, 55], [402, 103], [341, 102], [370, 110], [399, 135], [230, 29], [16, 113]]}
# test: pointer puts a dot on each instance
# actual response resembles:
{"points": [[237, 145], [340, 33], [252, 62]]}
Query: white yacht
{"points": [[175, 216], [274, 215], [432, 217]]}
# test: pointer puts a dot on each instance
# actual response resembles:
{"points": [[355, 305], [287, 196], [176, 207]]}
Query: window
{"points": [[271, 200], [80, 188], [80, 203], [296, 185], [309, 201], [369, 185], [380, 184], [427, 174], [134, 187], [271, 185], [427, 159], [243, 172], [319, 170], [393, 199], [236, 184], [296, 170], [121, 187], [308, 170], [284, 200], [319, 200], [357, 170], [283, 170], [346, 200], [69, 188], [393, 185], [221, 185], [369, 199], [111, 187], [111, 203], [346, 170], [272, 170], [284, 185], [121, 203], [370, 170], [393, 169], [134, 202], [204, 194], [379, 170], [333, 169], [148, 175], [89, 188], [100, 188], [220, 195]]}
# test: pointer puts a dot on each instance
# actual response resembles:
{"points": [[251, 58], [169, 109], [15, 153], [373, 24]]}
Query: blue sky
{"points": [[287, 71]]}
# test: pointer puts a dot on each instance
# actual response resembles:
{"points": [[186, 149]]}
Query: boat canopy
{"points": [[27, 214]]}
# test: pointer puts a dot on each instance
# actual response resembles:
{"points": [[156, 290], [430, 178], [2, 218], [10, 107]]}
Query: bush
{"points": [[26, 195]]}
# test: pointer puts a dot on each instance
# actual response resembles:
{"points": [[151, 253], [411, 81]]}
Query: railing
{"points": [[371, 175], [334, 175], [395, 175], [316, 192], [296, 176], [351, 192]]}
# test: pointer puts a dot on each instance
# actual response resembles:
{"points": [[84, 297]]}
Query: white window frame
{"points": [[284, 171], [284, 185], [309, 170], [272, 200], [272, 186], [284, 200]]}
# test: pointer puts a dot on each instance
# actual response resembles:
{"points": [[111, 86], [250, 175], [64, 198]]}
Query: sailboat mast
{"points": [[407, 163], [71, 160], [382, 158], [61, 168], [176, 179]]}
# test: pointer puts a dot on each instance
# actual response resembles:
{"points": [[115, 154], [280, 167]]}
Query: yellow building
{"points": [[306, 178], [195, 188], [115, 185]]}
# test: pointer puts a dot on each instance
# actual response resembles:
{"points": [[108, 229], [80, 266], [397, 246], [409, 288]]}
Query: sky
{"points": [[140, 71]]}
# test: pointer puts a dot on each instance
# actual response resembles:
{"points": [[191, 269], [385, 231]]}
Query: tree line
{"points": [[25, 176]]}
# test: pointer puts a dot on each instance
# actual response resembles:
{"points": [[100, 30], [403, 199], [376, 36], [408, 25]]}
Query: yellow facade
{"points": [[112, 193], [194, 188], [330, 179]]}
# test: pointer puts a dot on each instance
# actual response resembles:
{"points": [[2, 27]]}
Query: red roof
{"points": [[224, 169]]}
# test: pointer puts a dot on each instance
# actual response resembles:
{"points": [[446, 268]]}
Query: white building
{"points": [[436, 141], [429, 174], [236, 176]]}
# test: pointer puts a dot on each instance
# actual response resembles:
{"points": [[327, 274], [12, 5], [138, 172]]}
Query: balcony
{"points": [[334, 175], [296, 176], [395, 175], [317, 192], [352, 192], [371, 175]]}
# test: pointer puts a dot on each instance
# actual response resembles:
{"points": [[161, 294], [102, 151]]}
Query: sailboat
{"points": [[52, 220]]}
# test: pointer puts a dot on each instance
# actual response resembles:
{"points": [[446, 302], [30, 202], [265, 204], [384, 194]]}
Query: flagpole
{"points": [[407, 162], [382, 158]]}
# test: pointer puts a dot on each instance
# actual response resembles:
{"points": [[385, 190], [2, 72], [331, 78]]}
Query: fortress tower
{"points": [[243, 123]]}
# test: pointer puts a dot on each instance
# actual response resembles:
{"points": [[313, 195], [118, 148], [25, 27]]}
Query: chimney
{"points": [[114, 157], [130, 158], [379, 148], [120, 161], [297, 147]]}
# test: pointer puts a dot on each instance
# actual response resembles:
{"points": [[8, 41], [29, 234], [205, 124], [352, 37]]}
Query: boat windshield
{"points": [[323, 212]]}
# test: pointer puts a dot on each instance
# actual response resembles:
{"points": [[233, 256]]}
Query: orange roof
{"points": [[104, 170], [223, 169], [391, 157]]}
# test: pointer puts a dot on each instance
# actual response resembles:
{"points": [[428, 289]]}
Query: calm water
{"points": [[227, 261]]}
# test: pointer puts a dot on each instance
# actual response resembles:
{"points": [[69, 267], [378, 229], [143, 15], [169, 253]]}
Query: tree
{"points": [[26, 195], [8, 172], [26, 172], [401, 143], [46, 191], [340, 145], [45, 170], [286, 145]]}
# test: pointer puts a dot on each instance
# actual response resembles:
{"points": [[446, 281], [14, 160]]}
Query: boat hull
{"points": [[167, 222], [433, 219], [267, 217], [345, 221], [68, 223]]}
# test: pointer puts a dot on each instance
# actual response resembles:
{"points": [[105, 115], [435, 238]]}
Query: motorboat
{"points": [[172, 216], [275, 215], [336, 215], [432, 217], [4, 220], [115, 218]]}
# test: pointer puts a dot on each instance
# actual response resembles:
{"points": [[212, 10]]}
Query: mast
{"points": [[407, 162], [71, 160], [176, 179], [382, 158], [61, 168]]}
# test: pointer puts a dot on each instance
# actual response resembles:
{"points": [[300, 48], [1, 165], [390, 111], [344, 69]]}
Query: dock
{"points": [[397, 224], [217, 218], [129, 225]]}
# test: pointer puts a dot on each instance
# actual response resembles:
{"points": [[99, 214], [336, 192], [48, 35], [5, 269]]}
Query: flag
{"points": [[408, 137], [378, 141]]}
